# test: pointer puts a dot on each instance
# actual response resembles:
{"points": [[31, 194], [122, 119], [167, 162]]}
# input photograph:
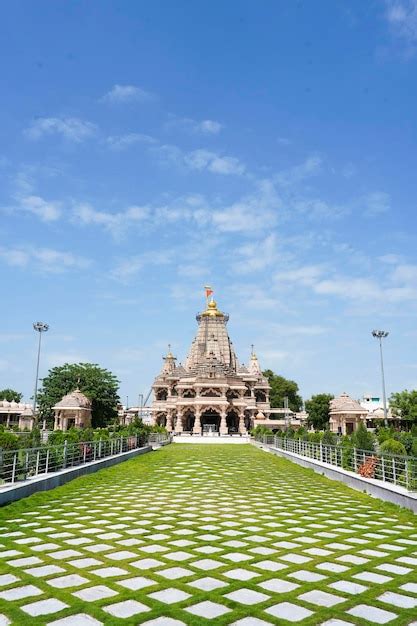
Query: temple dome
{"points": [[345, 404], [74, 400]]}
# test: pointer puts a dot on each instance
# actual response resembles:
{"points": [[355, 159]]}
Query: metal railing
{"points": [[159, 438], [390, 468], [26, 463]]}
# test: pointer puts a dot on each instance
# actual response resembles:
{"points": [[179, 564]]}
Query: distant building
{"points": [[18, 414], [73, 411], [211, 392], [346, 415]]}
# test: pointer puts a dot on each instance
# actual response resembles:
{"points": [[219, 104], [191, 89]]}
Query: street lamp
{"points": [[380, 335], [40, 327]]}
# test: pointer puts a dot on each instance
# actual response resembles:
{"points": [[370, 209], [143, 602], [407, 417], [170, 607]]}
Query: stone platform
{"points": [[210, 439]]}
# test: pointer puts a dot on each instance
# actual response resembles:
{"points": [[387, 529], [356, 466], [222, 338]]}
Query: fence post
{"points": [[383, 467], [14, 466], [407, 485], [355, 464], [47, 461], [64, 462], [95, 450], [37, 463], [321, 451], [394, 472], [121, 445], [99, 448]]}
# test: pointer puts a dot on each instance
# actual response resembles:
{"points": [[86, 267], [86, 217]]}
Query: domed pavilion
{"points": [[73, 411]]}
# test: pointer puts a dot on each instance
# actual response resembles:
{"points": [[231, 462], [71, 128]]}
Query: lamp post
{"points": [[40, 327], [380, 335]]}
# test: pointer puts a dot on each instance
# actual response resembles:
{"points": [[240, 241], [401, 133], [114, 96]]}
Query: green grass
{"points": [[230, 488]]}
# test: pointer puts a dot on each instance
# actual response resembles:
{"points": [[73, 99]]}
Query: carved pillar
{"points": [[178, 424], [242, 428], [197, 421], [169, 420], [223, 423]]}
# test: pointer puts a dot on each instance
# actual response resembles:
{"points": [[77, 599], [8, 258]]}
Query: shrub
{"points": [[329, 438], [414, 447], [8, 441], [406, 438], [363, 439], [392, 446]]}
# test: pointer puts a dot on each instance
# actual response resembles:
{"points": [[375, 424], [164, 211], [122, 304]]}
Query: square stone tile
{"points": [[352, 558], [180, 555], [371, 613], [109, 572], [306, 576], [163, 621], [70, 580], [247, 596], [288, 611], [295, 558], [347, 586], [91, 594], [208, 609], [44, 570], [136, 583], [121, 555], [398, 600], [269, 566], [207, 584], [173, 573], [240, 574], [125, 609], [30, 560], [79, 619], [18, 593], [62, 555], [251, 621], [262, 550], [409, 587], [83, 563], [278, 586], [371, 577], [207, 564], [393, 569], [237, 557], [44, 607], [8, 579], [170, 595], [332, 567], [146, 563], [321, 598]]}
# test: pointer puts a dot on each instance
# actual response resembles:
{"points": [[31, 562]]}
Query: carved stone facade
{"points": [[211, 392]]}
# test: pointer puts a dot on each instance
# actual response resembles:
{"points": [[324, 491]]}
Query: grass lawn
{"points": [[209, 534]]}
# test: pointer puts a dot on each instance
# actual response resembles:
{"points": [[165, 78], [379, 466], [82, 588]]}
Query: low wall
{"points": [[376, 488], [44, 482]]}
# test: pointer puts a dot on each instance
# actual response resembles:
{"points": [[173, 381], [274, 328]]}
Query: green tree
{"points": [[363, 439], [404, 405], [393, 446], [318, 409], [281, 387], [10, 395], [98, 384]]}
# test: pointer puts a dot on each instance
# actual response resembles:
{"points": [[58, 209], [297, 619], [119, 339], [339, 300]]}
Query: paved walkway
{"points": [[206, 535]]}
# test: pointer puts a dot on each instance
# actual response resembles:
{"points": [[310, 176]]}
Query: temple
{"points": [[211, 392]]}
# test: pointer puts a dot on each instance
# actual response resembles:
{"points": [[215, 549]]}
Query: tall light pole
{"points": [[380, 335], [40, 327]]}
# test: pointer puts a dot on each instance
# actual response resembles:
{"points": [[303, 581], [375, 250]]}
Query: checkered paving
{"points": [[206, 534]]}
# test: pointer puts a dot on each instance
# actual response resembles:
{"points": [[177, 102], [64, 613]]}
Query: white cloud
{"points": [[306, 275], [203, 127], [115, 223], [215, 163], [46, 211], [44, 259], [256, 255], [310, 167], [119, 142], [402, 16], [375, 203], [71, 128], [127, 268], [120, 94]]}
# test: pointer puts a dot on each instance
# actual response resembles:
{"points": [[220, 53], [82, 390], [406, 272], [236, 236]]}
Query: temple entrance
{"points": [[210, 422], [232, 421], [189, 419]]}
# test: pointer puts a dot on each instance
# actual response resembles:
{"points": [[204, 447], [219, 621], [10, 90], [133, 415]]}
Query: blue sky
{"points": [[267, 149]]}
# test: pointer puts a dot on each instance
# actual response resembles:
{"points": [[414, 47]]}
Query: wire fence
{"points": [[390, 468], [26, 463]]}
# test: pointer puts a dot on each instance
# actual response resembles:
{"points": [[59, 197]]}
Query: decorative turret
{"points": [[169, 364], [254, 367]]}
